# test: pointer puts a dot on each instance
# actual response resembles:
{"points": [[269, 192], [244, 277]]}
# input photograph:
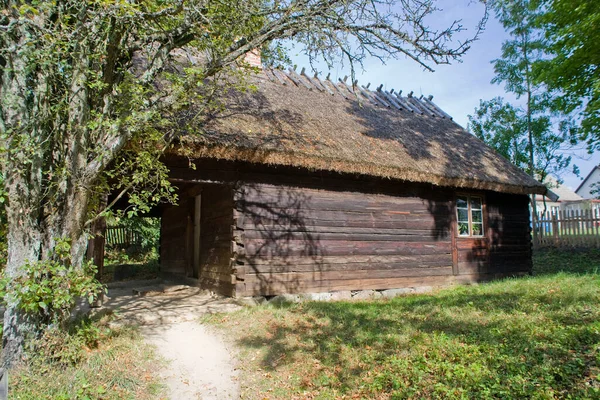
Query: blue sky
{"points": [[456, 88]]}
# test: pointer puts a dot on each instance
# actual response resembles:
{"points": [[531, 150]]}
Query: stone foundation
{"points": [[345, 295]]}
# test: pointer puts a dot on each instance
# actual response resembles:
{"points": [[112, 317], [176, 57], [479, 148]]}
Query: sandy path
{"points": [[200, 363]]}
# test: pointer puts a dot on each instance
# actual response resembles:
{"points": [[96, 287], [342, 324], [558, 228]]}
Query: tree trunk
{"points": [[24, 245], [32, 235]]}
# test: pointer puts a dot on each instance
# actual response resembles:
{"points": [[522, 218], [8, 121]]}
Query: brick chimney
{"points": [[253, 58]]}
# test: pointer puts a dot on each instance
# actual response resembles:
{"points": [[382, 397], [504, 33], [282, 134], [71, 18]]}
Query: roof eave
{"points": [[343, 166], [551, 195]]}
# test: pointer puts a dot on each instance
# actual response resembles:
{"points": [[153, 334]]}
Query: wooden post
{"points": [[578, 227], [561, 225], [197, 220], [96, 244], [95, 252], [555, 229], [534, 228], [542, 228]]}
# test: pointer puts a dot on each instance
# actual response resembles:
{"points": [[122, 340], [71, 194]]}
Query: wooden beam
{"points": [[438, 108], [404, 103], [270, 75], [298, 79], [393, 101], [197, 234], [367, 93], [278, 74]]}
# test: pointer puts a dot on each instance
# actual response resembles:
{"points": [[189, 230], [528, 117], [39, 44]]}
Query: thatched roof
{"points": [[296, 120]]}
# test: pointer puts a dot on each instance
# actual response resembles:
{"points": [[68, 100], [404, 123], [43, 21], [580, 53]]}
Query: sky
{"points": [[456, 88]]}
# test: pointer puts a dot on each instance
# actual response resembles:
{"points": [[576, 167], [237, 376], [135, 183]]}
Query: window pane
{"points": [[463, 215], [476, 203], [476, 216], [461, 202], [463, 228], [477, 229]]}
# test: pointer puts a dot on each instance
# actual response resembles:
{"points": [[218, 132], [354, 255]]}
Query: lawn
{"points": [[535, 337], [95, 363]]}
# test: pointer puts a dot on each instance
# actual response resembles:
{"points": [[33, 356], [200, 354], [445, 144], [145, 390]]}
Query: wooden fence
{"points": [[122, 237], [574, 228]]}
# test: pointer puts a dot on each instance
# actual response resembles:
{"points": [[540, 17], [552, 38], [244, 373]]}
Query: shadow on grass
{"points": [[518, 333], [554, 260]]}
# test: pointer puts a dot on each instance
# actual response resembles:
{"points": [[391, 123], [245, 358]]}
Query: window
{"points": [[469, 212]]}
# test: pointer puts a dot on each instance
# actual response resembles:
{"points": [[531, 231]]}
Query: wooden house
{"points": [[590, 184], [309, 185]]}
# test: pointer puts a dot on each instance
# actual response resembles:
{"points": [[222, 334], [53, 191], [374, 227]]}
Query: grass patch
{"points": [[536, 337], [90, 362], [581, 261], [128, 272]]}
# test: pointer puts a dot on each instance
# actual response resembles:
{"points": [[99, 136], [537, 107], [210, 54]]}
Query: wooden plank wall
{"points": [[177, 239], [309, 240], [509, 234], [311, 231], [216, 239], [175, 256]]}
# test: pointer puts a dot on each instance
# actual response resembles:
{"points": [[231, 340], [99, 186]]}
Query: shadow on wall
{"points": [[442, 212], [298, 239], [280, 242], [283, 246]]}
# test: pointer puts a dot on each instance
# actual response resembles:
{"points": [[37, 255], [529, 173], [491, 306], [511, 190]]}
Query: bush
{"points": [[89, 361], [555, 260], [61, 348], [48, 290]]}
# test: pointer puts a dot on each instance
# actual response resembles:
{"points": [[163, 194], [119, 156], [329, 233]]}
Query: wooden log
{"points": [[298, 261], [472, 267], [316, 276], [293, 75], [353, 234], [281, 77], [263, 223], [273, 288], [344, 248], [318, 266], [269, 74]]}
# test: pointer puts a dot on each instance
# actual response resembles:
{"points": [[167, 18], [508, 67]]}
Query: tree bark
{"points": [[24, 245], [32, 235]]}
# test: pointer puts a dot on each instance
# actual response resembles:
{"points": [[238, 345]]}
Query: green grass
{"points": [[120, 366], [581, 261], [536, 337]]}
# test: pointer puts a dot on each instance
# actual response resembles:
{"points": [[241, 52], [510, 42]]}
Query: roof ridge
{"points": [[423, 105], [586, 178]]}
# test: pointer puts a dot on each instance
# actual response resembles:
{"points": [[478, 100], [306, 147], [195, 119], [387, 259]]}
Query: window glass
{"points": [[469, 213], [476, 216], [463, 215]]}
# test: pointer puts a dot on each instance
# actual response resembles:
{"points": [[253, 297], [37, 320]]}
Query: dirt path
{"points": [[201, 364]]}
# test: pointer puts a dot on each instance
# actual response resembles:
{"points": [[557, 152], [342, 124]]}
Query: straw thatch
{"points": [[296, 120]]}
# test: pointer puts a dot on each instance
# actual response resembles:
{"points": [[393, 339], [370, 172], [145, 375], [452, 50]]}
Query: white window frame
{"points": [[470, 210]]}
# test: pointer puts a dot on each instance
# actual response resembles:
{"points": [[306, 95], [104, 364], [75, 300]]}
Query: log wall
{"points": [[289, 230], [216, 239], [509, 233], [214, 270], [297, 239], [175, 254]]}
